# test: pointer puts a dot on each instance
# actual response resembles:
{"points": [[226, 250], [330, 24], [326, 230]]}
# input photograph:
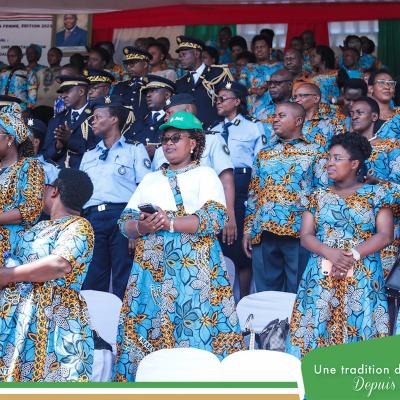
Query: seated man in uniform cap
{"points": [[116, 166], [157, 92], [137, 63], [200, 81], [215, 155], [244, 136], [100, 82], [6, 100], [69, 134]]}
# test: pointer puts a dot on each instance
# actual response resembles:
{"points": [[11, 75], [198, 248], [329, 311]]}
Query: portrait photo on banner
{"points": [[72, 32]]}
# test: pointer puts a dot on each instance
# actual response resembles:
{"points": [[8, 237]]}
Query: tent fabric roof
{"points": [[99, 6]]}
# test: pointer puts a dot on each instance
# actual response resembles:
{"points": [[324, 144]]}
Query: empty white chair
{"points": [[265, 306], [179, 364], [104, 309], [263, 366]]}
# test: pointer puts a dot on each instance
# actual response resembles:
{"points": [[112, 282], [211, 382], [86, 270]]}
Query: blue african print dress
{"points": [[330, 311], [178, 294], [44, 327], [327, 84], [21, 187]]}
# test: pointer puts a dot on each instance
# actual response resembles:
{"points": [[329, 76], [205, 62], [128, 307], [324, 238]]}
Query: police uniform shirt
{"points": [[82, 138], [133, 96], [245, 139], [51, 170], [147, 130], [115, 178], [215, 155]]}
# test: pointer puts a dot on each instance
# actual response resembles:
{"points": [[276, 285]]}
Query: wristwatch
{"points": [[171, 225], [356, 254]]}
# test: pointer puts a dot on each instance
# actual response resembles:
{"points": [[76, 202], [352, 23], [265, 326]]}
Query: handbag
{"points": [[392, 283], [272, 337]]}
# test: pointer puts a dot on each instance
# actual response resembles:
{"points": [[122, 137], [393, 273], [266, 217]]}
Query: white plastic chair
{"points": [[265, 306], [263, 366], [104, 309], [179, 364]]}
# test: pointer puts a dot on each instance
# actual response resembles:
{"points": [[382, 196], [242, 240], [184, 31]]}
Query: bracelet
{"points": [[171, 225], [137, 229]]}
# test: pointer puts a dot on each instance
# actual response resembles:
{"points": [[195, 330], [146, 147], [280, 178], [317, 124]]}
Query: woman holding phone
{"points": [[341, 297], [178, 294]]}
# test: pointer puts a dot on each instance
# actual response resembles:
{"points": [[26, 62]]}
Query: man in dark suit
{"points": [[136, 62], [200, 81], [72, 35], [69, 134], [157, 92]]}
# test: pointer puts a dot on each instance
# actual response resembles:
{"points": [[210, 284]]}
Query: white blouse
{"points": [[197, 186]]}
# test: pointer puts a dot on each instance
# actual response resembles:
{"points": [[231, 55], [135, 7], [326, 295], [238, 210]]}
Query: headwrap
{"points": [[12, 121]]}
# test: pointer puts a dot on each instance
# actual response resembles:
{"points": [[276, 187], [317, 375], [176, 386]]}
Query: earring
{"points": [[9, 144], [191, 151]]}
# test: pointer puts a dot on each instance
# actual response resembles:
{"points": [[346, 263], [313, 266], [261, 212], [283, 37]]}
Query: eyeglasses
{"points": [[383, 83], [175, 138], [277, 83], [336, 158], [301, 96], [220, 99]]}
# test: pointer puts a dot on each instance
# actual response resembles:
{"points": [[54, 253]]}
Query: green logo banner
{"points": [[363, 370]]}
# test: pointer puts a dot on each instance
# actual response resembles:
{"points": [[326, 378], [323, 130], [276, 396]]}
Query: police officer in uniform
{"points": [[157, 92], [244, 137], [215, 155], [116, 166], [69, 134], [137, 63], [200, 80], [100, 82]]}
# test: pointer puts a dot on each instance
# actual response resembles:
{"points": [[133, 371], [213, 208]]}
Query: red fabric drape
{"points": [[298, 16]]}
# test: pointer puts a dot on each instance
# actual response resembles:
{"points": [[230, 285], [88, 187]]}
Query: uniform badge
{"points": [[264, 139], [107, 100], [147, 163], [226, 149], [167, 102], [122, 170], [30, 122], [228, 85]]}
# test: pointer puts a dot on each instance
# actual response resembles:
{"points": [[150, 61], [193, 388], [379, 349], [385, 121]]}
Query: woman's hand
{"points": [[150, 223], [342, 261], [246, 243]]}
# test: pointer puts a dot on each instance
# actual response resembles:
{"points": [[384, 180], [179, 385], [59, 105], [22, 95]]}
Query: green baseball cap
{"points": [[182, 120]]}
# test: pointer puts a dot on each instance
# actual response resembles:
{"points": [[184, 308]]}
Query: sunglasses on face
{"points": [[383, 82], [175, 138]]}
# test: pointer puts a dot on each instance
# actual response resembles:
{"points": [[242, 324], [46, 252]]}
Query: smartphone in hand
{"points": [[147, 208]]}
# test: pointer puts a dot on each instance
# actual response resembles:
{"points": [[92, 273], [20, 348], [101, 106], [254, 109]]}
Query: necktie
{"points": [[225, 130], [74, 117], [155, 118], [67, 34], [104, 154]]}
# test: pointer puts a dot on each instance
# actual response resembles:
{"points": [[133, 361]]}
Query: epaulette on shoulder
{"points": [[132, 141], [250, 118]]}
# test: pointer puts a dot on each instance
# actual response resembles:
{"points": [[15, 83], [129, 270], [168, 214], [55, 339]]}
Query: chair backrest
{"points": [[230, 269], [104, 309], [265, 306], [179, 364], [263, 366]]}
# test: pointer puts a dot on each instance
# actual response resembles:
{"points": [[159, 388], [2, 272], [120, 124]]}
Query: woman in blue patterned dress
{"points": [[44, 324], [21, 179], [341, 297], [325, 75], [178, 294]]}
